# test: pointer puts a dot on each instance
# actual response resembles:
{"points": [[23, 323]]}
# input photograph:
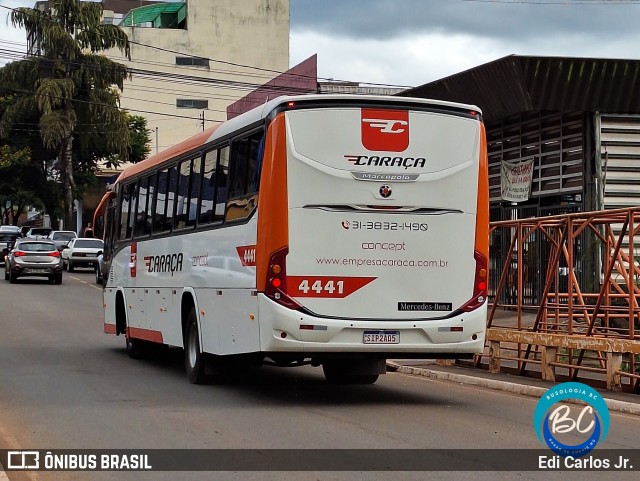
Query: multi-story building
{"points": [[192, 58]]}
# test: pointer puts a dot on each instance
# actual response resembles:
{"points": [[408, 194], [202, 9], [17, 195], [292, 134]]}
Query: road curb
{"points": [[512, 387]]}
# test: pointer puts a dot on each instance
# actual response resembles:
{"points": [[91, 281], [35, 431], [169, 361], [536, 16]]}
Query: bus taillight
{"points": [[276, 288], [479, 284]]}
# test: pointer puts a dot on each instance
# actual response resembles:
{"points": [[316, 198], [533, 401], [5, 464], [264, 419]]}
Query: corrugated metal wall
{"points": [[619, 162], [553, 139]]}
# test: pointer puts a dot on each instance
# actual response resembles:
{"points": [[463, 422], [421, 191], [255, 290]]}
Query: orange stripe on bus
{"points": [[109, 328], [482, 218], [192, 143], [144, 334], [273, 223]]}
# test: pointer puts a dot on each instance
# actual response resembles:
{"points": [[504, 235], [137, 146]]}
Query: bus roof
{"points": [[259, 113], [185, 146], [264, 110]]}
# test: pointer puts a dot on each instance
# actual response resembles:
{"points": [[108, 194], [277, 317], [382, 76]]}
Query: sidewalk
{"points": [[616, 401]]}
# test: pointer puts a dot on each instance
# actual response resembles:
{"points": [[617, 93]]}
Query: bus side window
{"points": [[161, 201], [222, 179], [182, 209], [256, 149], [127, 205], [170, 208], [151, 196], [208, 187], [194, 192], [141, 210], [244, 172]]}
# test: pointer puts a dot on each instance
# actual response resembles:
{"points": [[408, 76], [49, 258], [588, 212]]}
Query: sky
{"points": [[413, 42]]}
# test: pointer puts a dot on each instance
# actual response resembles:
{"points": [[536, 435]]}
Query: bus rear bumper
{"points": [[285, 330]]}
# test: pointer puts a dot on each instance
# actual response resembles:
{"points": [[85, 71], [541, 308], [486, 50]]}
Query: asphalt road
{"points": [[66, 385]]}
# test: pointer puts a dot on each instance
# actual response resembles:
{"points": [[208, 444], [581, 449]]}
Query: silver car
{"points": [[33, 258], [82, 252], [62, 237]]}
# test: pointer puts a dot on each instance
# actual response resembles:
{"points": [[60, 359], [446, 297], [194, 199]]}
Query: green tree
{"points": [[69, 84], [20, 181]]}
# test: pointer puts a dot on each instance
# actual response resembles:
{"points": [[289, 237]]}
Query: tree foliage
{"points": [[23, 184], [73, 89]]}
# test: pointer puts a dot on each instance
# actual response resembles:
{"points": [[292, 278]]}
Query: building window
{"points": [[192, 104], [193, 61]]}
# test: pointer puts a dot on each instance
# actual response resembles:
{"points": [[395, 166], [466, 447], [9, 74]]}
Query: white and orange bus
{"points": [[329, 230]]}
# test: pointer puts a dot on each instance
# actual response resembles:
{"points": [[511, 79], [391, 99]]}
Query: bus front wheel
{"points": [[193, 356]]}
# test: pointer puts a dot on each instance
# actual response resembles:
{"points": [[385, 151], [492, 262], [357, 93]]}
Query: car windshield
{"points": [[36, 246], [64, 235], [40, 231], [97, 243]]}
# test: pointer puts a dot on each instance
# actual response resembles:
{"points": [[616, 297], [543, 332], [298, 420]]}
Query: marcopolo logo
{"points": [[590, 422]]}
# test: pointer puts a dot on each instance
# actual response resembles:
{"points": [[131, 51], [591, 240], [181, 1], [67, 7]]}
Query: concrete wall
{"points": [[247, 32]]}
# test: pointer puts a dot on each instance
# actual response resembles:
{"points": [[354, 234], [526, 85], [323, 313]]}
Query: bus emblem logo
{"points": [[385, 130], [385, 191]]}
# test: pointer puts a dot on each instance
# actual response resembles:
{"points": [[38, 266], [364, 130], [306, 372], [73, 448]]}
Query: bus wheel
{"points": [[135, 348], [193, 356], [335, 373]]}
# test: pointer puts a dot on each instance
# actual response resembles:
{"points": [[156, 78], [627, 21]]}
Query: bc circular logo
{"points": [[591, 421]]}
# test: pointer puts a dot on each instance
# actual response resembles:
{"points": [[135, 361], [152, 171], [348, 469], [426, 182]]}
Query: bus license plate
{"points": [[381, 337]]}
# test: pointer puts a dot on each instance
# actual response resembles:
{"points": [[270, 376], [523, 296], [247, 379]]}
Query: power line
{"points": [[235, 64]]}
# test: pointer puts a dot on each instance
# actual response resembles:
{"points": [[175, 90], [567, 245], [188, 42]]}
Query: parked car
{"points": [[62, 237], [4, 229], [7, 240], [81, 252], [38, 232], [31, 257]]}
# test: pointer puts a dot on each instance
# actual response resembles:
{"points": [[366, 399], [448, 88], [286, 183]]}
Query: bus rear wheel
{"points": [[135, 348], [193, 356], [335, 373]]}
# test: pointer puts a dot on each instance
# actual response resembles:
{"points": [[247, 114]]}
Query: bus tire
{"points": [[135, 348], [334, 373], [193, 356]]}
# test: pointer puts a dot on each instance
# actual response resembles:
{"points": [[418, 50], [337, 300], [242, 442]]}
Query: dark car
{"points": [[33, 257], [7, 240]]}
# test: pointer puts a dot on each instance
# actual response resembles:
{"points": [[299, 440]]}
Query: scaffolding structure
{"points": [[584, 322]]}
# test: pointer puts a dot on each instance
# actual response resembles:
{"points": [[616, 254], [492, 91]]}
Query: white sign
{"points": [[515, 180]]}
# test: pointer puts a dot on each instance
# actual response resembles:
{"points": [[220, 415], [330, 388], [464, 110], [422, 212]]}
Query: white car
{"points": [[81, 252], [38, 233]]}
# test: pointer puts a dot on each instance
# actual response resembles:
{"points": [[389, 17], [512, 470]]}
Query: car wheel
{"points": [[70, 267], [12, 278], [64, 265], [98, 276], [57, 279], [6, 275], [193, 357]]}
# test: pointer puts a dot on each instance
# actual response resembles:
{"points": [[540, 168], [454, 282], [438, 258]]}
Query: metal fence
{"points": [[564, 292]]}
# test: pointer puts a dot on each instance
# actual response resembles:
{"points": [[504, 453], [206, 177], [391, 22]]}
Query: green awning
{"points": [[159, 14]]}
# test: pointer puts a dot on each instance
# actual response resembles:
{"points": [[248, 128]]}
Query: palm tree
{"points": [[74, 89]]}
